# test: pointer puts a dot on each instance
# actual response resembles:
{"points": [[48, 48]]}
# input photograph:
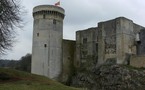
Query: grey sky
{"points": [[80, 14]]}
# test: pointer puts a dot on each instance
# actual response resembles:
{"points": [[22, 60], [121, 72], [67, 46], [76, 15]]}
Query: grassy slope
{"points": [[17, 80]]}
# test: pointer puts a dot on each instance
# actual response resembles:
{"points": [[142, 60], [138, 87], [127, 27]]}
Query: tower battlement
{"points": [[48, 11]]}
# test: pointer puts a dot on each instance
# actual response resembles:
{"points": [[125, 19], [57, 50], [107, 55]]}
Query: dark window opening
{"points": [[54, 21], [37, 34], [138, 42], [45, 45], [84, 40], [84, 54], [96, 47], [44, 16]]}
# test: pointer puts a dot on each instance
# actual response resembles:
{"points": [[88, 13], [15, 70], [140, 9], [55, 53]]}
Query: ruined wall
{"points": [[86, 47], [68, 60], [107, 40], [125, 39], [116, 39], [141, 45], [137, 61], [137, 28]]}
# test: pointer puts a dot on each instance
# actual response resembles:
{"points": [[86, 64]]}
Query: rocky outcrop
{"points": [[111, 77]]}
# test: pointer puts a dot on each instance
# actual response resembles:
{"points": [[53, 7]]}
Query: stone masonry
{"points": [[47, 41], [119, 39]]}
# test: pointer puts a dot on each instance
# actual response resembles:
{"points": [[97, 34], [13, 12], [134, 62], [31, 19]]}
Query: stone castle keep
{"points": [[119, 39]]}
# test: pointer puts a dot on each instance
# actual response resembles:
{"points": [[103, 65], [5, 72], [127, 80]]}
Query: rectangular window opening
{"points": [[37, 34], [97, 47], [54, 21], [84, 40], [45, 45]]}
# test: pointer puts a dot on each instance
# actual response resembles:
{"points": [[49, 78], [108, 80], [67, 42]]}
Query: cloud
{"points": [[86, 11], [80, 14]]}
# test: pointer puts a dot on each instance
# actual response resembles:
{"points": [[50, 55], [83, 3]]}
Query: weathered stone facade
{"points": [[47, 41], [118, 39], [137, 61], [113, 39], [86, 47], [68, 60]]}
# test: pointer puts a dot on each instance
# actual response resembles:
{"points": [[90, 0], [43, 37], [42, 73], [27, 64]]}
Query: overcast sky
{"points": [[80, 14]]}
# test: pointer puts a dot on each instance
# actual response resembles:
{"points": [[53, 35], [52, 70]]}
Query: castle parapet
{"points": [[48, 11]]}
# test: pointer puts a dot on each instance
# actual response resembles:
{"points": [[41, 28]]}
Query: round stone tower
{"points": [[47, 41]]}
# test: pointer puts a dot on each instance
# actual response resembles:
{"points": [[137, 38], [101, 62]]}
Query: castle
{"points": [[52, 56]]}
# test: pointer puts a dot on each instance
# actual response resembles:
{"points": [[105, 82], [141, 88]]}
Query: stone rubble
{"points": [[111, 77]]}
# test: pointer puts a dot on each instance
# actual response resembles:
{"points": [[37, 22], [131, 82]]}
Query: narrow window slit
{"points": [[45, 45], [37, 34]]}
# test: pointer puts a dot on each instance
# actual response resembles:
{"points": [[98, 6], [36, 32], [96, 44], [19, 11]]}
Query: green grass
{"points": [[18, 80]]}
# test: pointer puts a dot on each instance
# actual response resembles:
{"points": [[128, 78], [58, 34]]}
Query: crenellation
{"points": [[49, 14]]}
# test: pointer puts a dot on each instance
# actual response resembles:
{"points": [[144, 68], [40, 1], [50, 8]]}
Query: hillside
{"points": [[18, 80], [111, 77]]}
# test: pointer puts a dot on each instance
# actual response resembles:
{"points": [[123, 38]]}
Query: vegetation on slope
{"points": [[18, 80], [111, 77]]}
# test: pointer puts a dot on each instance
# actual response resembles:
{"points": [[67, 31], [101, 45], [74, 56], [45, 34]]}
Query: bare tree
{"points": [[9, 20]]}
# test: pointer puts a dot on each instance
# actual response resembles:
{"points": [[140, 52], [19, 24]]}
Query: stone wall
{"points": [[141, 45], [116, 39], [137, 61], [86, 47], [68, 60], [137, 28], [107, 40], [47, 41]]}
